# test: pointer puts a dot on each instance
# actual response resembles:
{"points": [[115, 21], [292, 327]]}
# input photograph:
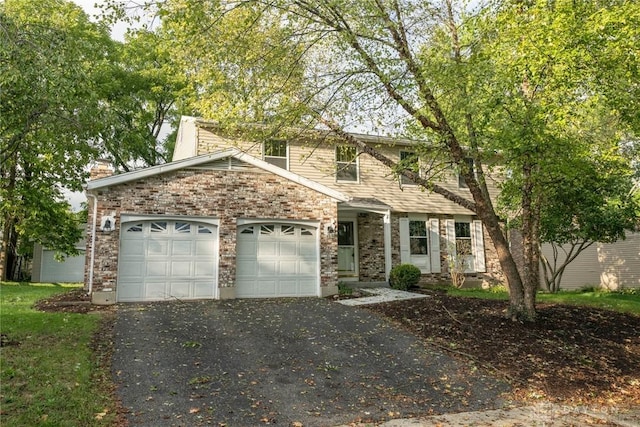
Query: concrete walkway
{"points": [[540, 415], [381, 295]]}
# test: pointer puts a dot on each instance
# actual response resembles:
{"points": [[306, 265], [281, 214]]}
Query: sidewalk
{"points": [[542, 415]]}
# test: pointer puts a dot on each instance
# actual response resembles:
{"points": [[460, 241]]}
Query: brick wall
{"points": [[227, 195], [371, 247]]}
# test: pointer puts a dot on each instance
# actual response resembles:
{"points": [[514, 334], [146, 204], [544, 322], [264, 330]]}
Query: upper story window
{"points": [[346, 163], [462, 183], [275, 152], [409, 160]]}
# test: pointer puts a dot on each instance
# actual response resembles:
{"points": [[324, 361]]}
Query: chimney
{"points": [[102, 169]]}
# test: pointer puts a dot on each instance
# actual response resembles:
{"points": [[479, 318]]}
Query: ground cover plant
{"points": [[49, 372]]}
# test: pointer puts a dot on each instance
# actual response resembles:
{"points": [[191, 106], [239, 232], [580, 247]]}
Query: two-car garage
{"points": [[174, 258]]}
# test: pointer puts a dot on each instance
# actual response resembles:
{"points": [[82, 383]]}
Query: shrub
{"points": [[404, 276]]}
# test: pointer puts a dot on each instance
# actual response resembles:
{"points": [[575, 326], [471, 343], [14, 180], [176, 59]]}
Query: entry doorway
{"points": [[347, 249]]}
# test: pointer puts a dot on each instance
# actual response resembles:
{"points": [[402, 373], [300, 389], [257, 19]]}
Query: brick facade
{"points": [[226, 195], [371, 247]]}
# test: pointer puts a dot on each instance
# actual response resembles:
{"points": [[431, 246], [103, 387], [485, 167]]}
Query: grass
{"points": [[48, 371], [624, 301]]}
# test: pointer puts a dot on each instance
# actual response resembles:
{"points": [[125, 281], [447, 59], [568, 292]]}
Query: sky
{"points": [[117, 31]]}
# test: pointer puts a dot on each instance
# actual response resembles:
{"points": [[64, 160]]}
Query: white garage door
{"points": [[277, 260], [167, 259]]}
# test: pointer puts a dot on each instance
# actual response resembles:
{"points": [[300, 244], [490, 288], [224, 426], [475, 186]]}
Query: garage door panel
{"points": [[203, 289], [130, 291], [157, 268], [247, 267], [180, 289], [266, 249], [164, 259], [133, 248], [158, 247], [289, 288], [288, 248], [181, 247], [181, 268], [131, 269], [156, 290], [205, 268], [205, 248], [267, 268], [266, 288], [289, 267]]}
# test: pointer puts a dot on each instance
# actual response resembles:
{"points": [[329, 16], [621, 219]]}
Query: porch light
{"points": [[331, 228], [108, 223]]}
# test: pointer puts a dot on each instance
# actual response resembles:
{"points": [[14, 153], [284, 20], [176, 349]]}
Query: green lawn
{"points": [[47, 370], [624, 302]]}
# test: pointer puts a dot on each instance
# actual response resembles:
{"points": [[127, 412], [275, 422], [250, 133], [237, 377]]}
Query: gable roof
{"points": [[208, 158], [187, 136]]}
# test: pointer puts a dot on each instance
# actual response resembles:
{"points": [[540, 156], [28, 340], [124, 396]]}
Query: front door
{"points": [[347, 249]]}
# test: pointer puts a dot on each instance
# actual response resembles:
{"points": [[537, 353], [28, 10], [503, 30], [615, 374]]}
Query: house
{"points": [[283, 217], [611, 266]]}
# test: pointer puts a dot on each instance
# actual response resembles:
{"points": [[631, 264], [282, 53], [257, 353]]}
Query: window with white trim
{"points": [[346, 163], [463, 238], [276, 152], [418, 238], [465, 241]]}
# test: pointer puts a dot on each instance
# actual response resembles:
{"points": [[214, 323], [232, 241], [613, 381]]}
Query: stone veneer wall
{"points": [[371, 247], [227, 195]]}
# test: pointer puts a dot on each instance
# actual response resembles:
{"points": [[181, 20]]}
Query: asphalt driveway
{"points": [[309, 361]]}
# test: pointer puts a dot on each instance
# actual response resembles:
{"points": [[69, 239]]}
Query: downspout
{"points": [[387, 244], [93, 240]]}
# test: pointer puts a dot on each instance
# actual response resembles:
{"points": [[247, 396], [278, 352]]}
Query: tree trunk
{"points": [[530, 245]]}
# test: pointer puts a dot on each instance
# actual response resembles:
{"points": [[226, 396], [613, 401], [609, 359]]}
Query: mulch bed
{"points": [[574, 355]]}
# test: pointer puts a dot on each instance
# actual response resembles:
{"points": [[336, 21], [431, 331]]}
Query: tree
{"points": [[573, 184], [47, 115], [500, 82], [139, 89]]}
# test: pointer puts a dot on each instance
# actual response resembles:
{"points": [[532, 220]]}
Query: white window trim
{"points": [[356, 162], [477, 242], [433, 239], [264, 156]]}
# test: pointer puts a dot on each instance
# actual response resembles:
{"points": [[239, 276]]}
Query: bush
{"points": [[404, 276]]}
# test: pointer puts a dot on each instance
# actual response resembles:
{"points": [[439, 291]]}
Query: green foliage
{"points": [[48, 372], [625, 301], [140, 87], [50, 52], [404, 276], [344, 289]]}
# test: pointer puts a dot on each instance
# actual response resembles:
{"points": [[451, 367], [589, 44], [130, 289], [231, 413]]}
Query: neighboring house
{"points": [[46, 269], [239, 219], [612, 266]]}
